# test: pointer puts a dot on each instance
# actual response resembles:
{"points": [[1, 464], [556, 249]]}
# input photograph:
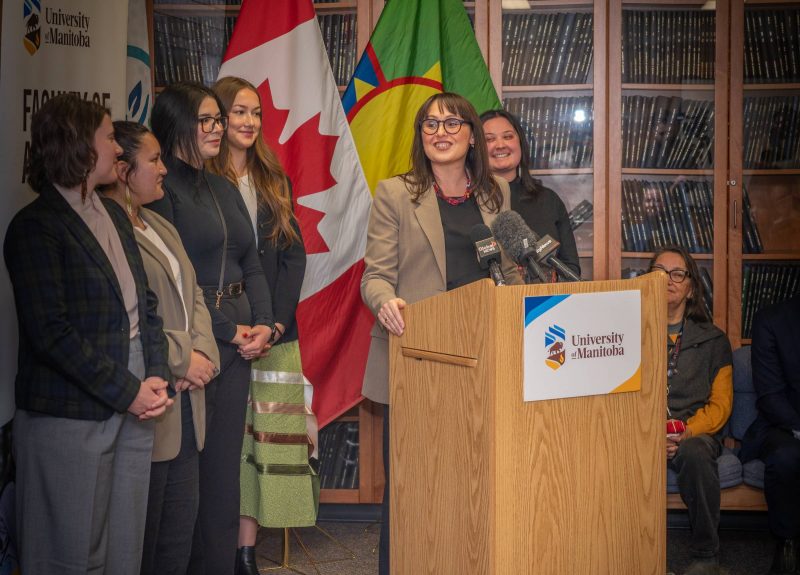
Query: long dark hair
{"points": [[695, 309], [62, 142], [174, 119], [530, 185], [420, 178], [263, 166]]}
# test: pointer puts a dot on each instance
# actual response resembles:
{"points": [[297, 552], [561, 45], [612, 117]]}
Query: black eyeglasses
{"points": [[677, 275], [451, 125], [207, 123]]}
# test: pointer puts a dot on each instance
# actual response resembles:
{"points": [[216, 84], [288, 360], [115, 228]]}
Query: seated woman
{"points": [[418, 239], [193, 355], [699, 400], [540, 207]]}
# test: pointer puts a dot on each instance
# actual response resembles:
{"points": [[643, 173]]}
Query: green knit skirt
{"points": [[279, 487]]}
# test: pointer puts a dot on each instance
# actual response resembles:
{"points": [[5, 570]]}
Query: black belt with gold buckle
{"points": [[232, 290]]}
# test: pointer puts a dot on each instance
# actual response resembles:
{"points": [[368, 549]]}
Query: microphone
{"points": [[545, 248], [516, 237], [488, 252]]}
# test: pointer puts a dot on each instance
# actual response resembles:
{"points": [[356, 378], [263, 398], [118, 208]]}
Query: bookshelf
{"points": [[548, 61], [764, 160], [668, 172], [188, 41]]}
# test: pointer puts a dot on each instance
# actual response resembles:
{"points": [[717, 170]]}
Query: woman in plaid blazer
{"points": [[92, 354]]}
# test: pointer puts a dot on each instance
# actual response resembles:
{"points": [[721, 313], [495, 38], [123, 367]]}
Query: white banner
{"points": [[582, 344], [49, 47]]}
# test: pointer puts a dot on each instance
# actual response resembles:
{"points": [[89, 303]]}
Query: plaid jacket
{"points": [[73, 327]]}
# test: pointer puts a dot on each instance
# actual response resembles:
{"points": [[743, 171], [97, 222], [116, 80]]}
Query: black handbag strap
{"points": [[224, 241]]}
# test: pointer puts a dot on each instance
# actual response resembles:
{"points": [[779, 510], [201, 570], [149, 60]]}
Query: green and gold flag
{"points": [[418, 48]]}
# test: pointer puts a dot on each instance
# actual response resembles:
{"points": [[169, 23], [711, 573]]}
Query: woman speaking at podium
{"points": [[418, 238]]}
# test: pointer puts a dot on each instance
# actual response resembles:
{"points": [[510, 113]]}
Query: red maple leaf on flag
{"points": [[310, 175]]}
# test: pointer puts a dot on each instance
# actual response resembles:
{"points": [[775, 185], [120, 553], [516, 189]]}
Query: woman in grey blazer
{"points": [[418, 239], [193, 355]]}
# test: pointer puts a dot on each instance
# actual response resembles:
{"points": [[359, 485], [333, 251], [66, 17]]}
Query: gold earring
{"points": [[128, 201]]}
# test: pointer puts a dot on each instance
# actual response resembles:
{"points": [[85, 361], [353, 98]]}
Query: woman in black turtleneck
{"points": [[540, 207], [189, 122]]}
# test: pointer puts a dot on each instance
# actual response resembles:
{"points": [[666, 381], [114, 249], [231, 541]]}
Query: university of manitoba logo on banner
{"points": [[32, 10], [554, 339]]}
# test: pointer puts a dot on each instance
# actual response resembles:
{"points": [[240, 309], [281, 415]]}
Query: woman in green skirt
{"points": [[278, 486]]}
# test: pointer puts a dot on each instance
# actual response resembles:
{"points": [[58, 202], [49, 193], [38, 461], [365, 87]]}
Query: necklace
{"points": [[454, 200]]}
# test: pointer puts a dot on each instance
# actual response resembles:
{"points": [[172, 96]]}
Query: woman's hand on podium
{"points": [[390, 316]]}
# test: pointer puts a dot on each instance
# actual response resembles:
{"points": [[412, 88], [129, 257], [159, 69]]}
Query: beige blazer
{"points": [[405, 257], [181, 342]]}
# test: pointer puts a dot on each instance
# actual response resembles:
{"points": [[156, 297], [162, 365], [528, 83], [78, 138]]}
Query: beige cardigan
{"points": [[181, 342]]}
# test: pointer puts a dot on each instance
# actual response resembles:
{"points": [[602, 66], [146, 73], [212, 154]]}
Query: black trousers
{"points": [[217, 531], [698, 482], [780, 453], [383, 546], [172, 504]]}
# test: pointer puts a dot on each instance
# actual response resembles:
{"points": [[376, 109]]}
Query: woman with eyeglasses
{"points": [[279, 487], [418, 238], [539, 206], [699, 400], [189, 121]]}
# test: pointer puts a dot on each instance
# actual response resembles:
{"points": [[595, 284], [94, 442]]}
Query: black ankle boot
{"points": [[246, 561], [785, 560]]}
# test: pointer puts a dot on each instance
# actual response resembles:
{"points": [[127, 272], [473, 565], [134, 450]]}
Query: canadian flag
{"points": [[278, 47]]}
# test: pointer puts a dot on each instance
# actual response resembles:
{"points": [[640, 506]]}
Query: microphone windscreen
{"points": [[479, 232], [513, 234]]}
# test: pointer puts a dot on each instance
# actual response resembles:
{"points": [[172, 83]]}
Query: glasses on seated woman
{"points": [[677, 275]]}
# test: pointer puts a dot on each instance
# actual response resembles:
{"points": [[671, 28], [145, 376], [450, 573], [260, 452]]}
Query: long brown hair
{"points": [[695, 309], [263, 166], [420, 178], [530, 185]]}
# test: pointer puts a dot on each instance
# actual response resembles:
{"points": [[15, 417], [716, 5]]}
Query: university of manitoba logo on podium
{"points": [[554, 339], [31, 12]]}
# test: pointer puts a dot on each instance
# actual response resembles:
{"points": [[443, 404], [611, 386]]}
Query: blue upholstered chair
{"points": [[744, 412]]}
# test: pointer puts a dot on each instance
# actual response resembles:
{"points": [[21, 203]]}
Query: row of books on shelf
{"points": [[339, 35], [705, 279], [558, 129], [772, 132], [668, 47], [772, 46], [338, 455], [667, 132], [190, 48], [764, 284], [547, 48], [659, 213]]}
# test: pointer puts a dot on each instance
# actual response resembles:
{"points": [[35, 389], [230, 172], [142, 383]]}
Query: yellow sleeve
{"points": [[712, 416]]}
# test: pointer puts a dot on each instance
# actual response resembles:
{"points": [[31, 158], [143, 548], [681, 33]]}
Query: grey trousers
{"points": [[698, 482], [82, 490]]}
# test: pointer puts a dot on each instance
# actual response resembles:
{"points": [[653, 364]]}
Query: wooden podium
{"points": [[484, 483]]}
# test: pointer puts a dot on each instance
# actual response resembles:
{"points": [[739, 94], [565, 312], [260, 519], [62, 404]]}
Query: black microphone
{"points": [[488, 252], [516, 237], [545, 249]]}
